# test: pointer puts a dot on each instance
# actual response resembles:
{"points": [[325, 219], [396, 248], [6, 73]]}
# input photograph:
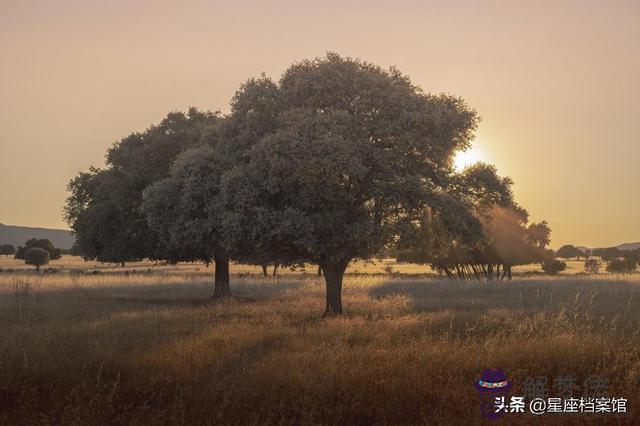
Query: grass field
{"points": [[151, 348]]}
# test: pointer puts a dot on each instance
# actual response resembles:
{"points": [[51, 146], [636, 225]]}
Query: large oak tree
{"points": [[358, 150]]}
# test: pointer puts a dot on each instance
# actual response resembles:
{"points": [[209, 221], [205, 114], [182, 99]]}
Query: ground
{"points": [[150, 347]]}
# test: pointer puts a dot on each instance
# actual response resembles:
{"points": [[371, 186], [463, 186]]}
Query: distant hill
{"points": [[17, 235], [624, 246], [629, 246]]}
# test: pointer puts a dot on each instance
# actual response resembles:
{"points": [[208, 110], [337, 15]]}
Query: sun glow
{"points": [[468, 157]]}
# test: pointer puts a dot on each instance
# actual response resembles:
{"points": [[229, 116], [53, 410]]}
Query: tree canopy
{"points": [[7, 249], [338, 160], [37, 257], [357, 152], [43, 243], [104, 208], [479, 229], [569, 251]]}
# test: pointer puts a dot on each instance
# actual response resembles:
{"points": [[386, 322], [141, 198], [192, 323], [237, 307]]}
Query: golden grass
{"points": [[371, 267], [151, 348]]}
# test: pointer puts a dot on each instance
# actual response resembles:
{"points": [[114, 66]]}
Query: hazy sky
{"points": [[557, 85]]}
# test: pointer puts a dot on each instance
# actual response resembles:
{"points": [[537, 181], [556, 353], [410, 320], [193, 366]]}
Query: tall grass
{"points": [[150, 348]]}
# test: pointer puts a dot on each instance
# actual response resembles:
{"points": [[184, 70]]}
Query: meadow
{"points": [[144, 344]]}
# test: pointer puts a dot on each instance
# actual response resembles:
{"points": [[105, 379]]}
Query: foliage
{"points": [[569, 251], [37, 257], [338, 160], [104, 205], [358, 150], [43, 243], [553, 266], [607, 253], [185, 209], [621, 265], [7, 249], [479, 229], [592, 266]]}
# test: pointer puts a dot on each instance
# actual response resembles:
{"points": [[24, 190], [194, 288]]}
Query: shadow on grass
{"points": [[600, 296], [28, 301]]}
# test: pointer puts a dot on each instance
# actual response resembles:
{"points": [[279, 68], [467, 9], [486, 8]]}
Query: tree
{"points": [[43, 243], [539, 234], [37, 257], [621, 265], [185, 210], [104, 208], [552, 266], [607, 253], [478, 230], [591, 266], [357, 152], [7, 249], [569, 251], [182, 211]]}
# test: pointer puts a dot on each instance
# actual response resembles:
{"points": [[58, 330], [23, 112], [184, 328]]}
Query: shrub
{"points": [[37, 257], [592, 266], [43, 243], [553, 266], [7, 249], [621, 265]]}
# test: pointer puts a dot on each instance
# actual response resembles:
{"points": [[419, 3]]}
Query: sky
{"points": [[555, 82]]}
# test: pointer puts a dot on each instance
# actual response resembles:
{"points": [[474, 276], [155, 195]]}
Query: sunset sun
{"points": [[466, 158]]}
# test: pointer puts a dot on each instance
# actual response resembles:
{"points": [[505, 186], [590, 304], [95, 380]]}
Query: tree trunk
{"points": [[275, 269], [448, 272], [319, 271], [264, 270], [333, 274], [122, 264], [221, 282]]}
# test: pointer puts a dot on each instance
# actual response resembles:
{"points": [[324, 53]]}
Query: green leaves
{"points": [[356, 150]]}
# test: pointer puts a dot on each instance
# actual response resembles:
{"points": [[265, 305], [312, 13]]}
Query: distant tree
{"points": [[358, 150], [43, 243], [7, 249], [592, 266], [621, 266], [553, 266], [478, 230], [539, 234], [569, 251], [37, 257], [607, 253], [633, 255]]}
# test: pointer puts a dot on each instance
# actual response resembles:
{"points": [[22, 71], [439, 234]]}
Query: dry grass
{"points": [[151, 348]]}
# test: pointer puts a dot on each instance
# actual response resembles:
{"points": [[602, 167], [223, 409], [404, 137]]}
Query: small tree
{"points": [[553, 266], [37, 257], [7, 249], [43, 243], [569, 251], [621, 265], [592, 266], [607, 253]]}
